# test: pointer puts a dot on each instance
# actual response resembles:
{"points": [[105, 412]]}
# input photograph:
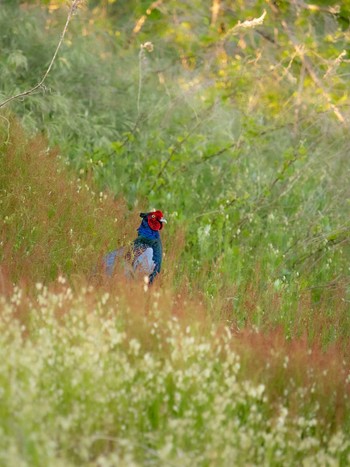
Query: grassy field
{"points": [[239, 352], [99, 372]]}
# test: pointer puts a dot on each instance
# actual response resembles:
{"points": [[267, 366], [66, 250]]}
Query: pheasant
{"points": [[144, 255]]}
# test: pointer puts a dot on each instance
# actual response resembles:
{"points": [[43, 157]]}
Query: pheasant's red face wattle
{"points": [[155, 220]]}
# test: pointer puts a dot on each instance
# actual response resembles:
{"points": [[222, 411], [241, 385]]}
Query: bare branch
{"points": [[140, 22], [248, 24], [308, 66], [215, 11], [333, 67], [72, 10]]}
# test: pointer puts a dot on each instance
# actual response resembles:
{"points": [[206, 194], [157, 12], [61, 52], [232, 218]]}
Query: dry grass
{"points": [[53, 222]]}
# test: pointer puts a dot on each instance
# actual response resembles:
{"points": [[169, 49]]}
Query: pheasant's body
{"points": [[144, 256]]}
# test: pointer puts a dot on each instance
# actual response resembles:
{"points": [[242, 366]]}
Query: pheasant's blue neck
{"points": [[145, 231]]}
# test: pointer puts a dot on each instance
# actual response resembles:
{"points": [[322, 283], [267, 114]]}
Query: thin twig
{"points": [[72, 10], [236, 144]]}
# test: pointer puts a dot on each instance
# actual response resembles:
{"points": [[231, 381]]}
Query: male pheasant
{"points": [[144, 255]]}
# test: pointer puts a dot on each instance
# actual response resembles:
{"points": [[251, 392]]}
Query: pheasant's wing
{"points": [[137, 260], [111, 258], [144, 262]]}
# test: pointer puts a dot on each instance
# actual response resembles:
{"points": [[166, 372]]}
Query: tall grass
{"points": [[106, 371], [52, 221]]}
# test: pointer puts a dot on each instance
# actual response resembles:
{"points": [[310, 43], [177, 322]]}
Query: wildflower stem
{"points": [[141, 53]]}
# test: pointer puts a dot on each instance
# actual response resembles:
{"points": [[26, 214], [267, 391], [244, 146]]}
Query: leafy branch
{"points": [[178, 146], [72, 10]]}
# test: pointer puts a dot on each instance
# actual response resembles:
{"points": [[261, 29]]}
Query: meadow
{"points": [[238, 354]]}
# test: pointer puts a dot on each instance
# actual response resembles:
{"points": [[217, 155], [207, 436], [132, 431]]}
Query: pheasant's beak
{"points": [[162, 220]]}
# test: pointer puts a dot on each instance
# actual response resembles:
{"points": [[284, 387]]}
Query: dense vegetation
{"points": [[235, 123]]}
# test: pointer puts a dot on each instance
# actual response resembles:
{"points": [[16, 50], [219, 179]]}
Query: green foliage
{"points": [[239, 133], [233, 138]]}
